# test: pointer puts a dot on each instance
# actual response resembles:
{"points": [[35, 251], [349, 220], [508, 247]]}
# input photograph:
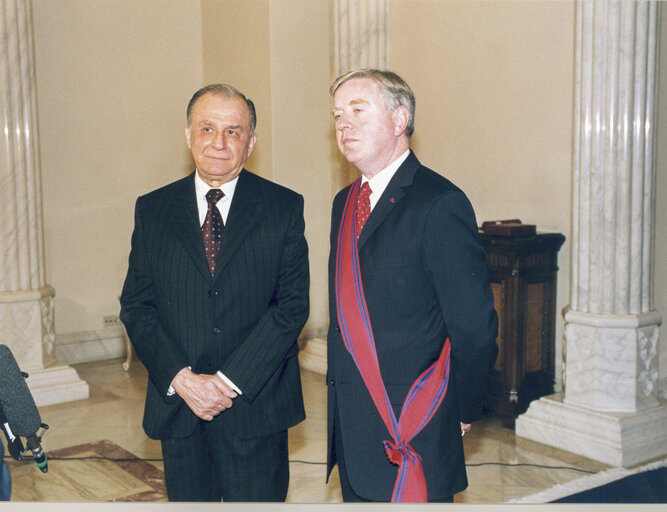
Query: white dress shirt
{"points": [[201, 189], [379, 182]]}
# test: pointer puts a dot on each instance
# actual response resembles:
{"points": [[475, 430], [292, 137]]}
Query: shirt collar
{"points": [[379, 182], [202, 188]]}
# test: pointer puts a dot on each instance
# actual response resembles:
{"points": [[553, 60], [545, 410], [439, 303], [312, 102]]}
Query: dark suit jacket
{"points": [[425, 279], [243, 322]]}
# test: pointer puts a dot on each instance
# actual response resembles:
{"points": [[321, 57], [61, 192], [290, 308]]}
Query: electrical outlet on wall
{"points": [[111, 320]]}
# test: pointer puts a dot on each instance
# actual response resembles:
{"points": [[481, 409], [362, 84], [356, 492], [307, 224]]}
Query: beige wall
{"points": [[237, 50], [113, 80], [280, 58], [494, 86], [300, 76]]}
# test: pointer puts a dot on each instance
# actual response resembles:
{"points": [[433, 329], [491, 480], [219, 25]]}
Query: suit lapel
{"points": [[392, 195], [244, 213], [185, 219]]}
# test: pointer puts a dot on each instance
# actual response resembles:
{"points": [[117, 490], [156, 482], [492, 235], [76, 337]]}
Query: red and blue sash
{"points": [[426, 393]]}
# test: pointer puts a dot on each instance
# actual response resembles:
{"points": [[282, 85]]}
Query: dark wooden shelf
{"points": [[523, 272]]}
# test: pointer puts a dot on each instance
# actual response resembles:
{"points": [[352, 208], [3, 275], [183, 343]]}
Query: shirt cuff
{"points": [[171, 390], [228, 382]]}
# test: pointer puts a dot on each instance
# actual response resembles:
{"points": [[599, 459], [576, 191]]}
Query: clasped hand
{"points": [[206, 395]]}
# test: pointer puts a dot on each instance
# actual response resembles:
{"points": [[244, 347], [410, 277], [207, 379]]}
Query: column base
{"points": [[55, 385], [313, 357], [617, 439], [27, 327]]}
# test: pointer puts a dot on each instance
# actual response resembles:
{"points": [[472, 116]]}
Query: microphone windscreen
{"points": [[15, 397]]}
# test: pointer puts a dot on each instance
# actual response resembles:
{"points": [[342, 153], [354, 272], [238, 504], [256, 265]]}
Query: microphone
{"points": [[18, 412]]}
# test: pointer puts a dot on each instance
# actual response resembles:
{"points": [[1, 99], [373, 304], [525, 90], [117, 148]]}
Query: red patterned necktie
{"points": [[363, 208], [212, 228]]}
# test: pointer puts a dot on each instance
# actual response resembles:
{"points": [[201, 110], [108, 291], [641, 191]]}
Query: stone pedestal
{"points": [[26, 301], [26, 327], [612, 361], [611, 410], [617, 439]]}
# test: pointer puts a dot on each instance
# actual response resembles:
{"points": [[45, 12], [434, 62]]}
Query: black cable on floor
{"points": [[315, 463], [525, 464]]}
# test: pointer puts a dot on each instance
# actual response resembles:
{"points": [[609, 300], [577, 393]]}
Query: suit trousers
{"points": [[214, 464]]}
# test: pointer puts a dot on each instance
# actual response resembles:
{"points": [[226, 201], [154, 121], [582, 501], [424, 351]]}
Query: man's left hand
{"points": [[206, 395]]}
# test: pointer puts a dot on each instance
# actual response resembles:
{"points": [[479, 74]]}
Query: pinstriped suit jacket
{"points": [[244, 321]]}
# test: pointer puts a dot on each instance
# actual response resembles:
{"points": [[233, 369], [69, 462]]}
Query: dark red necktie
{"points": [[363, 208], [212, 228]]}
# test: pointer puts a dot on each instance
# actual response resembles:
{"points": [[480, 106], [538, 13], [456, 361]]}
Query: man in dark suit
{"points": [[412, 330], [215, 296]]}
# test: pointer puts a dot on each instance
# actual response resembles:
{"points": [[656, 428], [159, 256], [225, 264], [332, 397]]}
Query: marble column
{"points": [[361, 40], [610, 410], [26, 301], [360, 35]]}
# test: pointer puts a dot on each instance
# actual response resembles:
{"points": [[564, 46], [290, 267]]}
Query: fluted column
{"points": [[360, 35], [611, 410], [26, 301], [611, 328]]}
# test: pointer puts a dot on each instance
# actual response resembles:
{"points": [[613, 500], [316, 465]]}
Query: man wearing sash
{"points": [[412, 332]]}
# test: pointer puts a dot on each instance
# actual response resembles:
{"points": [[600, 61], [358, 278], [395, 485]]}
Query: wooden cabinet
{"points": [[523, 274]]}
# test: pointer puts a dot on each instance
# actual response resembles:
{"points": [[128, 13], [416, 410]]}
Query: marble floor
{"points": [[501, 467]]}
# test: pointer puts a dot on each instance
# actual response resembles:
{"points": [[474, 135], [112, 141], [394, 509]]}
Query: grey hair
{"points": [[395, 90], [229, 92]]}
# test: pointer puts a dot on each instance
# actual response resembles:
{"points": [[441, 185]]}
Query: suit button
{"points": [[217, 329], [332, 383]]}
